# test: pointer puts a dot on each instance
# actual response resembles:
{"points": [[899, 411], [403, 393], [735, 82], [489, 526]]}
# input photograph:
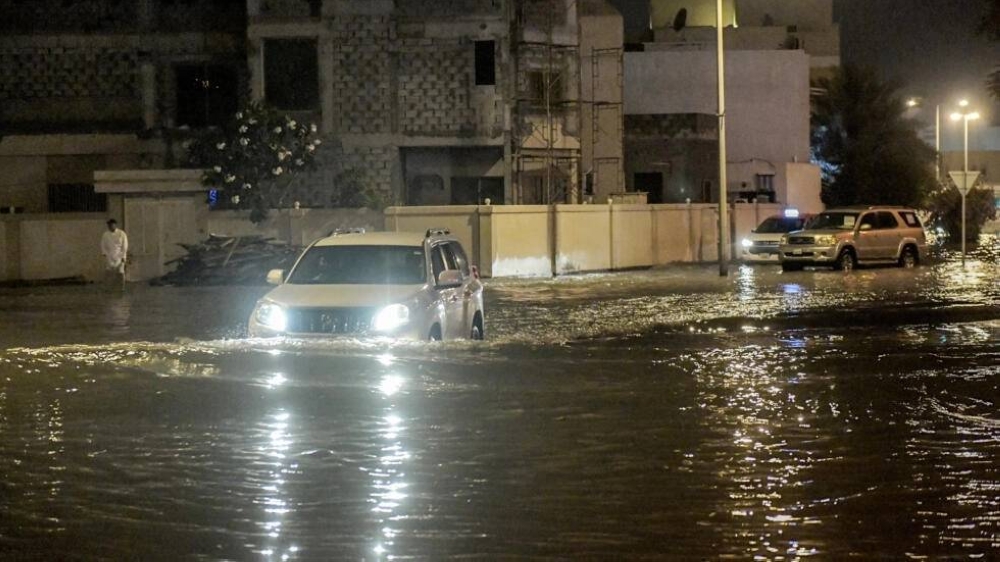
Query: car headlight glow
{"points": [[747, 242], [828, 240], [391, 317], [272, 316]]}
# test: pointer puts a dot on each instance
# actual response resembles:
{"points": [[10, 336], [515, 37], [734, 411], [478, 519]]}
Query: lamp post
{"points": [[965, 115], [723, 196]]}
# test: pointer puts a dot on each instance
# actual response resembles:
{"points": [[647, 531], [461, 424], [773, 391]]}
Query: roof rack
{"points": [[342, 231], [437, 232]]}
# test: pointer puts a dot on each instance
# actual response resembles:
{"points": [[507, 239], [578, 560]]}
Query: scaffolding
{"points": [[545, 110], [599, 107]]}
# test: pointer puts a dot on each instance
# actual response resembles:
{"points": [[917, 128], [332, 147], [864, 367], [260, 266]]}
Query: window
{"points": [[765, 183], [537, 86], [76, 198], [206, 94], [887, 220], [869, 220], [910, 219], [360, 265], [291, 74], [437, 262], [460, 260], [486, 73]]}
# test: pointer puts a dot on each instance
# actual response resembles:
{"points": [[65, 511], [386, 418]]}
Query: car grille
{"points": [[330, 320], [765, 243], [800, 240]]}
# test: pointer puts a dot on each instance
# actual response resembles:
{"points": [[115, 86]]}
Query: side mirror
{"points": [[449, 278], [276, 276], [866, 226]]}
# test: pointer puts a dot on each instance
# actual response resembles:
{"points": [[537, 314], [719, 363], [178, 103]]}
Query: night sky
{"points": [[929, 45]]}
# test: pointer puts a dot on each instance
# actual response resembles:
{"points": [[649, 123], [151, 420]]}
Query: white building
{"points": [[773, 50]]}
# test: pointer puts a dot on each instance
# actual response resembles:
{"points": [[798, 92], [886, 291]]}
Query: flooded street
{"points": [[666, 414]]}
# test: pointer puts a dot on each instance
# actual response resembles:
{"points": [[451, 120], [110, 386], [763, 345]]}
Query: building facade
{"points": [[444, 102], [773, 51]]}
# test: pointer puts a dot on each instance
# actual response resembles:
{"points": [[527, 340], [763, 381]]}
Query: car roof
{"points": [[856, 208], [374, 239]]}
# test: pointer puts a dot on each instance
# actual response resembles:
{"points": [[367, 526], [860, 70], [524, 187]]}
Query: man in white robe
{"points": [[114, 246]]}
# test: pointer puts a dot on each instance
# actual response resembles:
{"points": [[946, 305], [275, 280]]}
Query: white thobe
{"points": [[114, 246]]}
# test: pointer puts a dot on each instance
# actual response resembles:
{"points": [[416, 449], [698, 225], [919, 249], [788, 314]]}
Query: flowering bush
{"points": [[253, 160], [945, 205]]}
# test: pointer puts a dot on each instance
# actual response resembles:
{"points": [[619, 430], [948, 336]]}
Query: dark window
{"points": [[765, 182], [291, 74], [360, 265], [76, 198], [870, 219], [475, 191], [449, 257], [486, 72], [437, 262], [539, 82], [887, 220], [206, 95], [651, 183]]}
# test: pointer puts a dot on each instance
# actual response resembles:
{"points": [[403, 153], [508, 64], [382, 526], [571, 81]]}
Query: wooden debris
{"points": [[229, 260]]}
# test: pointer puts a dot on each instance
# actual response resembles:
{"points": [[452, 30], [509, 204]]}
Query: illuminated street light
{"points": [[965, 117]]}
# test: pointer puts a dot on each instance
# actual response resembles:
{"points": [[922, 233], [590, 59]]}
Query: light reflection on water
{"points": [[788, 445]]}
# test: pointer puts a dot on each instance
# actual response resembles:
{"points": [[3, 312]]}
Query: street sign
{"points": [[962, 182]]}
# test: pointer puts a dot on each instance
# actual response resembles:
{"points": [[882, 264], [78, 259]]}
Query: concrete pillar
{"points": [[255, 60], [326, 77], [147, 76]]}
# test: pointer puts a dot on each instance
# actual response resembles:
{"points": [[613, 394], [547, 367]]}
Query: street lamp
{"points": [[965, 116]]}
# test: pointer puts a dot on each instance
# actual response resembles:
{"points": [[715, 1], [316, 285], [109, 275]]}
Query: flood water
{"points": [[667, 414]]}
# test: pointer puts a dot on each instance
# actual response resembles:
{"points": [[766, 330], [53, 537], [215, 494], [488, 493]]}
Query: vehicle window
{"points": [[843, 221], [779, 225], [360, 265], [460, 260], [437, 262], [449, 256], [911, 220], [870, 219], [887, 220]]}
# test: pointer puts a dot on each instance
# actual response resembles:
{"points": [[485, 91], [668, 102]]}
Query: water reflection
{"points": [[275, 443], [388, 477]]}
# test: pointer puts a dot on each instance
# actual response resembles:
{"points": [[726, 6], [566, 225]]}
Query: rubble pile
{"points": [[229, 260]]}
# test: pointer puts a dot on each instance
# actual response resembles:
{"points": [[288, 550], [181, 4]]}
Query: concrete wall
{"points": [[539, 240], [51, 246], [601, 40]]}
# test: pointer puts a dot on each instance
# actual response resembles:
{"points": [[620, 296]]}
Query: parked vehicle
{"points": [[396, 284], [843, 238], [761, 246]]}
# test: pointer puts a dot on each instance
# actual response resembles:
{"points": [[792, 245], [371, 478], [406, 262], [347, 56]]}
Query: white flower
{"points": [[243, 128], [246, 186], [318, 142], [236, 199], [252, 121], [277, 171], [310, 147], [282, 155], [218, 169], [312, 127], [221, 146], [230, 178], [239, 115], [244, 141], [299, 162], [292, 124], [277, 130]]}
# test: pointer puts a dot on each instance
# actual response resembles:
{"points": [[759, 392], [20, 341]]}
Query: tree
{"points": [[253, 159], [945, 205], [868, 152], [990, 27]]}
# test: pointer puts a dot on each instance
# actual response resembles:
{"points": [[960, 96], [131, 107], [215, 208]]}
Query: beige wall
{"points": [[51, 246], [538, 240]]}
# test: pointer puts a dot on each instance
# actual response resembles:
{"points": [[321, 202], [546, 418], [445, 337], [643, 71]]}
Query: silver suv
{"points": [[845, 237]]}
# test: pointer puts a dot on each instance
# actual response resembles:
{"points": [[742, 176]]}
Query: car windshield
{"points": [[775, 225], [843, 221], [360, 265]]}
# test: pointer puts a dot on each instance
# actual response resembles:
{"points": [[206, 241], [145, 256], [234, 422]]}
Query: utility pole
{"points": [[723, 196]]}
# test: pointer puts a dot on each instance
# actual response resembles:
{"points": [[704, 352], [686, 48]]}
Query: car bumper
{"points": [[808, 254], [408, 332], [760, 256]]}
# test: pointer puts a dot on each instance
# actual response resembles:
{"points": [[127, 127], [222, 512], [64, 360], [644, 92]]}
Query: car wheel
{"points": [[786, 266], [435, 333], [846, 261], [477, 328], [909, 258]]}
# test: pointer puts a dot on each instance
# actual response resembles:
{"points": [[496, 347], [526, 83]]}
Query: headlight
{"points": [[391, 317], [271, 316], [747, 242], [784, 241], [828, 240]]}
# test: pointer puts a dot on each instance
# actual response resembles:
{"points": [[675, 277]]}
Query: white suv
{"points": [[396, 284], [843, 238]]}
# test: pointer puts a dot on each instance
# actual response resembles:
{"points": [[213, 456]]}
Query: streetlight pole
{"points": [[965, 115], [723, 196]]}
